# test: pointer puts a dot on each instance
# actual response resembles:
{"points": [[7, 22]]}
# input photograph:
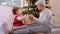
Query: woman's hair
{"points": [[15, 9], [40, 2]]}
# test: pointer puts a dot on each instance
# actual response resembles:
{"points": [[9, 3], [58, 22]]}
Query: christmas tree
{"points": [[32, 8]]}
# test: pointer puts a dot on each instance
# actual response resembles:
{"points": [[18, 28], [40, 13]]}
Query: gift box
{"points": [[27, 20]]}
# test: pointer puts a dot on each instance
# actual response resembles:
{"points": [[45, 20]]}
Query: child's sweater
{"points": [[17, 22]]}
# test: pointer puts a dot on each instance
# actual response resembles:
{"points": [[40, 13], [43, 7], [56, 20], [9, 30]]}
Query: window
{"points": [[18, 3], [3, 2], [14, 3]]}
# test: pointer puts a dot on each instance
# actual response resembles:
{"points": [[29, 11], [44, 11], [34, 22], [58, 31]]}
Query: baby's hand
{"points": [[13, 28], [26, 14], [31, 16]]}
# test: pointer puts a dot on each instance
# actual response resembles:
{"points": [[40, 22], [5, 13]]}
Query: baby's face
{"points": [[19, 11]]}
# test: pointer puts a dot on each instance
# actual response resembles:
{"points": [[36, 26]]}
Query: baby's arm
{"points": [[21, 18]]}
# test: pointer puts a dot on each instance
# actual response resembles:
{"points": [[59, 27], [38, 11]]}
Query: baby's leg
{"points": [[21, 30]]}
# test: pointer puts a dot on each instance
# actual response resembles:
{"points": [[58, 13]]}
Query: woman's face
{"points": [[39, 7], [19, 11]]}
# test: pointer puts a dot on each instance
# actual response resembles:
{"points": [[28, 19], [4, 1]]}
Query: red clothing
{"points": [[17, 22]]}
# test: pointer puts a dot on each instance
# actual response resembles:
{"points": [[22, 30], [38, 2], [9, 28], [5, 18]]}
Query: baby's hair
{"points": [[15, 9]]}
